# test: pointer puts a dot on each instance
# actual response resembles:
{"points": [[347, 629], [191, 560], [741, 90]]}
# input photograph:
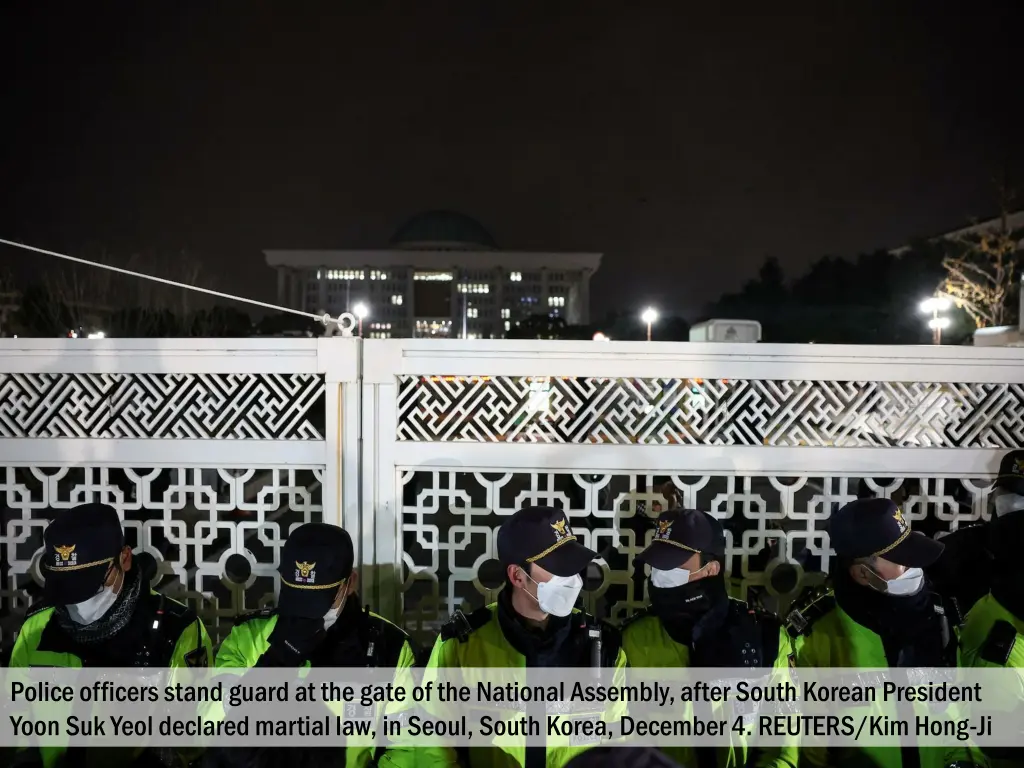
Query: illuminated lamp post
{"points": [[650, 316], [361, 311], [937, 323]]}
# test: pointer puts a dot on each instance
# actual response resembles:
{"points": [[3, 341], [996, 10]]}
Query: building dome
{"points": [[443, 231]]}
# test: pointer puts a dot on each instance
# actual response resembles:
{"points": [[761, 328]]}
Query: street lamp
{"points": [[650, 316], [933, 307], [361, 311]]}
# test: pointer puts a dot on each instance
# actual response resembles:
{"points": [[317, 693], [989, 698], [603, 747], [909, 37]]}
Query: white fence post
{"points": [[338, 358]]}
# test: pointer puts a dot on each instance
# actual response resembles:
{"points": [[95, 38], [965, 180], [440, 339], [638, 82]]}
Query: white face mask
{"points": [[907, 583], [673, 578], [332, 616], [1008, 502], [558, 596], [93, 609]]}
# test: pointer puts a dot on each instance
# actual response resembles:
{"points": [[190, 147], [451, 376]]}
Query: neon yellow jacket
{"points": [[836, 640], [487, 647], [648, 644], [249, 639], [180, 640], [993, 638]]}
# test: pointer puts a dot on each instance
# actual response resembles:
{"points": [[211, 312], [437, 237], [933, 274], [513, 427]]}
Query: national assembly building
{"points": [[443, 276]]}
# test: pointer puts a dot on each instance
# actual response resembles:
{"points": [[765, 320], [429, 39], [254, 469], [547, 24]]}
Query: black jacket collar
{"points": [[547, 647]]}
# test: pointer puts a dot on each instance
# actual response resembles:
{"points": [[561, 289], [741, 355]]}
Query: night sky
{"points": [[684, 145]]}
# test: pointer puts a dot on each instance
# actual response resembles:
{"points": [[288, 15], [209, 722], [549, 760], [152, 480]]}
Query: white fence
{"points": [[213, 449], [210, 449]]}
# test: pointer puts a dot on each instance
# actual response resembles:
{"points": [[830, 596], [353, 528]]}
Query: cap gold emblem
{"points": [[64, 555], [664, 529], [900, 521], [304, 572], [561, 529]]}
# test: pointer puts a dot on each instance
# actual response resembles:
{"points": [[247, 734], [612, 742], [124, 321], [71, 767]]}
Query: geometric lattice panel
{"points": [[208, 537], [775, 528], [709, 412], [163, 405]]}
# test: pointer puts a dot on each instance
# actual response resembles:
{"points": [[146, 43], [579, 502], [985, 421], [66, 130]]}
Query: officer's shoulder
{"points": [[262, 613], [637, 617], [385, 627], [176, 617], [177, 610], [37, 608], [461, 625], [608, 628], [808, 609], [37, 618]]}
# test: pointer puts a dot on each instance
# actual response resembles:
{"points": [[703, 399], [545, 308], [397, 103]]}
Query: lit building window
{"points": [[397, 299], [508, 325], [428, 328], [444, 276], [472, 312], [474, 288], [556, 301], [515, 277], [346, 274], [318, 274], [506, 313], [377, 275]]}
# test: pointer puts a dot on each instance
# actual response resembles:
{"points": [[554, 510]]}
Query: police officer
{"points": [[692, 622], [993, 634], [534, 622], [883, 614], [320, 622], [97, 610], [965, 572]]}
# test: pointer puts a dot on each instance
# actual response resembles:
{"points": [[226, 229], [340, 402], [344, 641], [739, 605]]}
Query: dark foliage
{"points": [[41, 316], [872, 299]]}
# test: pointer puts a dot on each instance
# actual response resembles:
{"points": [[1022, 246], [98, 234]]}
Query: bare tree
{"points": [[183, 268], [88, 297], [982, 271], [80, 296]]}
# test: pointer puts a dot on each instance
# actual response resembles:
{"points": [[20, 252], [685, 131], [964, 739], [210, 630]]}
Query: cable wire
{"points": [[345, 321]]}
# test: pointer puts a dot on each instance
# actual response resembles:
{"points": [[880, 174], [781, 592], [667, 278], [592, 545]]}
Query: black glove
{"points": [[292, 642]]}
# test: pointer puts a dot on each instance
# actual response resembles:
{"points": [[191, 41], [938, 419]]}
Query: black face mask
{"points": [[691, 600]]}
